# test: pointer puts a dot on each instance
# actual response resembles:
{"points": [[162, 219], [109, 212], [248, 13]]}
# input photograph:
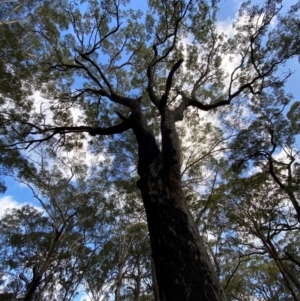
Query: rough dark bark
{"points": [[31, 289], [183, 267]]}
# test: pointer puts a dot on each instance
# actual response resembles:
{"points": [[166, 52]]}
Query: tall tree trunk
{"points": [[183, 268], [154, 281]]}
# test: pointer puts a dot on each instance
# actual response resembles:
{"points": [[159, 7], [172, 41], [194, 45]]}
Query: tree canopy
{"points": [[116, 118]]}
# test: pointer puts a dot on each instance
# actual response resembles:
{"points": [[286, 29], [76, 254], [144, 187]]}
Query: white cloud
{"points": [[42, 106], [8, 202], [225, 27], [21, 185], [85, 298], [254, 170], [284, 155]]}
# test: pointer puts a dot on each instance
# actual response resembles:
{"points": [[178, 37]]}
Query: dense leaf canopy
{"points": [[97, 95]]}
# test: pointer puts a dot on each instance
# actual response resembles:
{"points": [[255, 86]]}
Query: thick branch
{"points": [[297, 262], [150, 75], [165, 96], [129, 102], [93, 131], [188, 101]]}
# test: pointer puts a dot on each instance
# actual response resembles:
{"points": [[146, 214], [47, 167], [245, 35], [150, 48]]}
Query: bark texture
{"points": [[183, 268]]}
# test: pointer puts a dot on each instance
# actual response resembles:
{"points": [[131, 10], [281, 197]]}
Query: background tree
{"points": [[47, 252]]}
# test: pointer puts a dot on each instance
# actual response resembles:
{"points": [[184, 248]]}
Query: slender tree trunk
{"points": [[137, 278], [183, 268], [288, 277], [291, 275], [154, 281], [123, 251], [283, 267], [119, 282]]}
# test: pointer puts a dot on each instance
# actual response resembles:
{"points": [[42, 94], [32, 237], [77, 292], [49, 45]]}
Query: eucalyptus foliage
{"points": [[201, 121]]}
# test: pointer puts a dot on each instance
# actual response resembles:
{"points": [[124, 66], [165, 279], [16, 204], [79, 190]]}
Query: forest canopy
{"points": [[163, 150]]}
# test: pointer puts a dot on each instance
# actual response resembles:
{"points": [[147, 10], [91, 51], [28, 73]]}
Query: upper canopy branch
{"points": [[255, 71], [171, 31], [110, 94], [192, 101], [174, 31], [81, 53], [206, 72], [260, 79]]}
